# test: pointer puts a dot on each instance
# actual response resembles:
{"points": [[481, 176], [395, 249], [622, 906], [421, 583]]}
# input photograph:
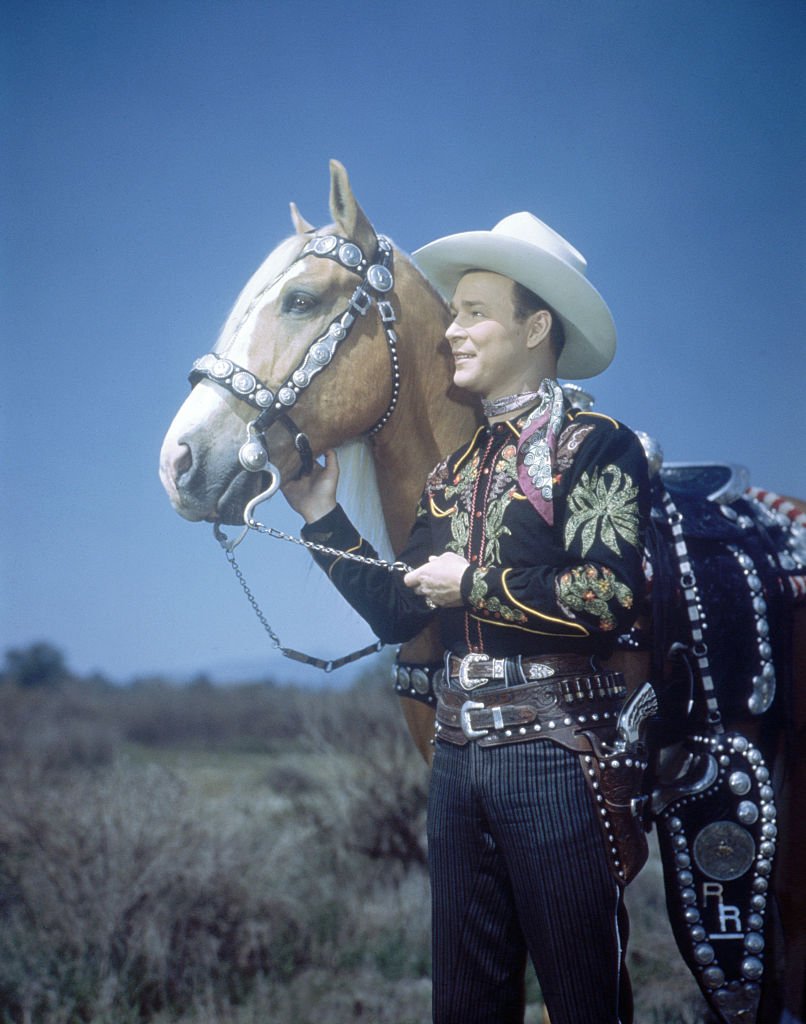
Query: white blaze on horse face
{"points": [[196, 464], [263, 288], [260, 341]]}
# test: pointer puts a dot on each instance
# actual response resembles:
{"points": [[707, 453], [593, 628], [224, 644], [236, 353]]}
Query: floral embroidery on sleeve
{"points": [[479, 588], [460, 532], [609, 509], [492, 605], [588, 588]]}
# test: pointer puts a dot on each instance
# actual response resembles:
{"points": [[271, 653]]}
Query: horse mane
{"points": [[359, 496]]}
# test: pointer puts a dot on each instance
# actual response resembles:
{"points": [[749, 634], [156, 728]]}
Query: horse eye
{"points": [[298, 302]]}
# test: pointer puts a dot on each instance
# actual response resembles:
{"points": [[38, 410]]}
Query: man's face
{"points": [[489, 345]]}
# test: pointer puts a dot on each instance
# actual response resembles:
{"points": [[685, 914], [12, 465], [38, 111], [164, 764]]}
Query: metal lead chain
{"points": [[275, 640], [289, 652], [322, 549]]}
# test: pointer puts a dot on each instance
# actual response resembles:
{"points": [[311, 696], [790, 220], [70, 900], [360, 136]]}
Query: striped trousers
{"points": [[518, 869]]}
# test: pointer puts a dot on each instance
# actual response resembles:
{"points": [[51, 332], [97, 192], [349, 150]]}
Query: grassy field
{"points": [[230, 855]]}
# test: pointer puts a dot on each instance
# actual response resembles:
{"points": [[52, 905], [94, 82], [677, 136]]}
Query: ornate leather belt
{"points": [[474, 670], [562, 707]]}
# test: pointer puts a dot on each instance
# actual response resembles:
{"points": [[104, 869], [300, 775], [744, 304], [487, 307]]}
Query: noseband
{"points": [[377, 280]]}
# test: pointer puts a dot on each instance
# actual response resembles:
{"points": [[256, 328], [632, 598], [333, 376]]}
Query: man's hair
{"points": [[526, 302]]}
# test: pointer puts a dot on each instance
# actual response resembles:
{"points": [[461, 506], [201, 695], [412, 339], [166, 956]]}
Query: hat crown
{"points": [[525, 227]]}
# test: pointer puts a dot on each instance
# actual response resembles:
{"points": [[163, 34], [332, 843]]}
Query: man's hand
{"points": [[314, 495], [439, 580]]}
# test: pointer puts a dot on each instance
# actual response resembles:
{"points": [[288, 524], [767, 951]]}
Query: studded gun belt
{"points": [[562, 708]]}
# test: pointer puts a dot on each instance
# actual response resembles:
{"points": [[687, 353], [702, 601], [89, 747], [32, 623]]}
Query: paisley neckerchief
{"points": [[536, 447]]}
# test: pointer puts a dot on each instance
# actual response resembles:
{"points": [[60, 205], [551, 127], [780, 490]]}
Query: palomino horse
{"points": [[305, 291], [337, 336]]}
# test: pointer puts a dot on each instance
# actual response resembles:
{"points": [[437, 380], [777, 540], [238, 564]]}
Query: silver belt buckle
{"points": [[464, 668], [464, 718]]}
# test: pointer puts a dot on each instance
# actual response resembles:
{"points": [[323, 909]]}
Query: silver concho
{"points": [[221, 368], [713, 977], [724, 850], [739, 783], [287, 396], [420, 681], [243, 382], [704, 953], [380, 278], [264, 398], [321, 354], [253, 456], [747, 812], [300, 378], [337, 332], [350, 255], [327, 243]]}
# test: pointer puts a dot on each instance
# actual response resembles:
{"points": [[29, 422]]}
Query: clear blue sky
{"points": [[150, 151]]}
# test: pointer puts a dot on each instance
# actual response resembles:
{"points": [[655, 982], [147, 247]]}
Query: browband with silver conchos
{"points": [[377, 276]]}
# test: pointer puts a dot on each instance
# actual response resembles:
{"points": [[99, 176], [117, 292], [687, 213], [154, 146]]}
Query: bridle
{"points": [[377, 281]]}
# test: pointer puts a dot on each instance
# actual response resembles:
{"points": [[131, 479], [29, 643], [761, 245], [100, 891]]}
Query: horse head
{"points": [[307, 360]]}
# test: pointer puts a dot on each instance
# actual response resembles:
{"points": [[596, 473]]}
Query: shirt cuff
{"points": [[333, 529]]}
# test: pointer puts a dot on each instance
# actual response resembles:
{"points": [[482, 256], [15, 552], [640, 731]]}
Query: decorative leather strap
{"points": [[532, 711]]}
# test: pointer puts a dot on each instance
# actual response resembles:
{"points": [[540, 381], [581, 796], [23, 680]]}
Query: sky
{"points": [[149, 154]]}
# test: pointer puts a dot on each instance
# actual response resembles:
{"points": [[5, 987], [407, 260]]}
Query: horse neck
{"points": [[431, 419]]}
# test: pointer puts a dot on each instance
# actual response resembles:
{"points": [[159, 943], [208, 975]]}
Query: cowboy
{"points": [[527, 545]]}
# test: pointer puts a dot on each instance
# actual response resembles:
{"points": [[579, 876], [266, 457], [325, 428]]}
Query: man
{"points": [[528, 546]]}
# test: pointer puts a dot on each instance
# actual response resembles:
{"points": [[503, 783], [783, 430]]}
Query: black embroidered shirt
{"points": [[530, 588]]}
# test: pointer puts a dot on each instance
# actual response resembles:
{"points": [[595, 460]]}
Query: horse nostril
{"points": [[178, 460]]}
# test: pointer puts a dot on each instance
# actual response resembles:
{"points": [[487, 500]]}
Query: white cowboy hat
{"points": [[530, 252]]}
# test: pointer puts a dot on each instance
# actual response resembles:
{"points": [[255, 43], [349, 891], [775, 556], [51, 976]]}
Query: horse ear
{"points": [[301, 225], [348, 215]]}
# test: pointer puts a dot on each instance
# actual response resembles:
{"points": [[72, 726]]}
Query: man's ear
{"points": [[539, 328]]}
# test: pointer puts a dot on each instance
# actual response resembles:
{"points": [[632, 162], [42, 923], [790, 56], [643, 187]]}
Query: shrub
{"points": [[54, 729], [125, 892], [292, 892]]}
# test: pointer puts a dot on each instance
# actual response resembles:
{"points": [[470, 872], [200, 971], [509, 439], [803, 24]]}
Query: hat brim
{"points": [[590, 334]]}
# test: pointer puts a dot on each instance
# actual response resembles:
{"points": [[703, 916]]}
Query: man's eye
{"points": [[298, 302]]}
